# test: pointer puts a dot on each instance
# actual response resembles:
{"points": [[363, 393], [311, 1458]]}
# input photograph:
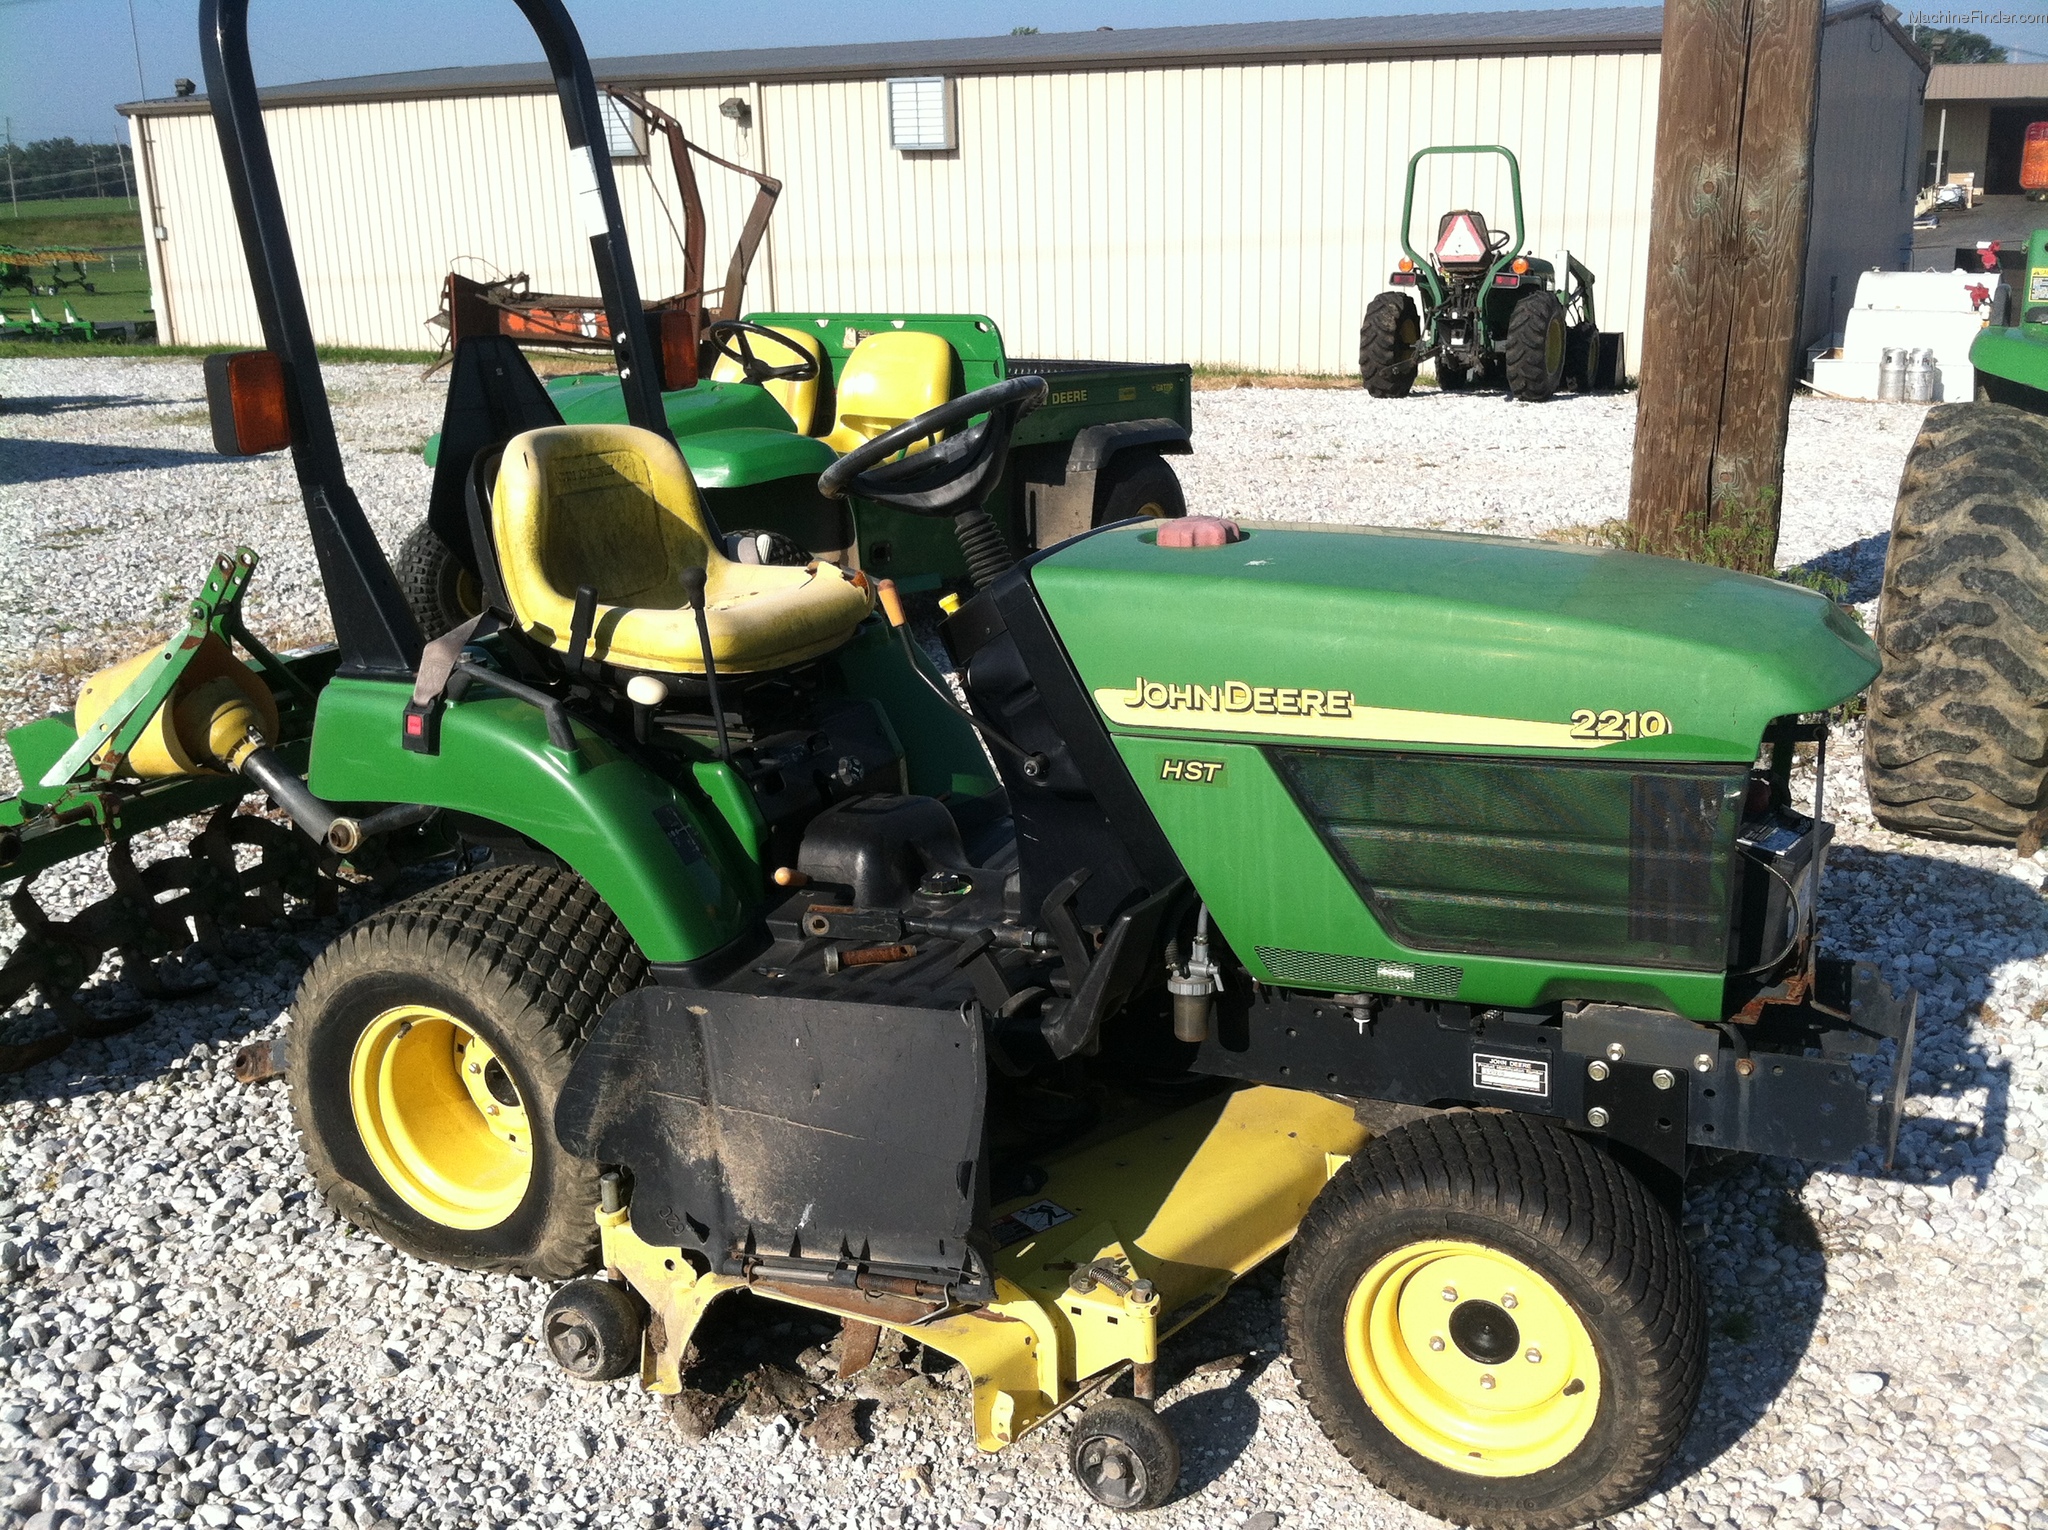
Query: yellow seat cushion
{"points": [[890, 377], [613, 507], [799, 400]]}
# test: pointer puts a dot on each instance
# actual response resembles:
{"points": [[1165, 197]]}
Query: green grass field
{"points": [[122, 286]]}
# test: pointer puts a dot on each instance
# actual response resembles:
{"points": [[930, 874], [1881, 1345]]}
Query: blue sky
{"points": [[65, 63]]}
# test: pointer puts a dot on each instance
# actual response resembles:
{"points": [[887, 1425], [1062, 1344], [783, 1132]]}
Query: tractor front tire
{"points": [[1956, 738], [428, 1047], [1138, 483], [441, 592], [1536, 347], [1496, 1322], [1386, 345]]}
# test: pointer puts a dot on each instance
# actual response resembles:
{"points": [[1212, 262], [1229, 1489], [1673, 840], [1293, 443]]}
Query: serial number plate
{"points": [[1511, 1075]]}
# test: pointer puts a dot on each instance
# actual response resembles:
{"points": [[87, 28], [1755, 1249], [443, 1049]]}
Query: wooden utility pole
{"points": [[1728, 229]]}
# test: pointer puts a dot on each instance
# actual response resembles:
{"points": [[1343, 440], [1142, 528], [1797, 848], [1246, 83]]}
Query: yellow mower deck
{"points": [[1189, 1202]]}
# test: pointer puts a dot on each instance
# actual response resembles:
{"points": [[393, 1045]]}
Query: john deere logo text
{"points": [[1237, 696]]}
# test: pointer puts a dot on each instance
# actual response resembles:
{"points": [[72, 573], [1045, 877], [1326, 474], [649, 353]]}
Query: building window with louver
{"points": [[921, 114]]}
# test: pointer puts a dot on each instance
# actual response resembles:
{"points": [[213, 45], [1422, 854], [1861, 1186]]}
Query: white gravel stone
{"points": [[161, 1216]]}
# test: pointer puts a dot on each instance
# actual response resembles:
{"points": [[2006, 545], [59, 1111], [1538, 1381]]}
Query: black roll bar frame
{"points": [[375, 630]]}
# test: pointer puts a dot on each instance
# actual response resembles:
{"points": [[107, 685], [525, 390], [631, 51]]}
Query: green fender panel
{"points": [[666, 863]]}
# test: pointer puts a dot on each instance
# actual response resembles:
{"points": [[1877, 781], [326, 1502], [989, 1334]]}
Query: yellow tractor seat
{"points": [[799, 400], [890, 377], [614, 507]]}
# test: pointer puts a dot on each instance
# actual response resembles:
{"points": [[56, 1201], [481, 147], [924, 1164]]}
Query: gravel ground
{"points": [[189, 1335]]}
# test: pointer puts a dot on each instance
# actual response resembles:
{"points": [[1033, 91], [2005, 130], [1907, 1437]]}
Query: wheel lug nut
{"points": [[1534, 1357], [1436, 1341], [1486, 1383], [1450, 1293], [476, 1067], [491, 1110], [1508, 1300]]}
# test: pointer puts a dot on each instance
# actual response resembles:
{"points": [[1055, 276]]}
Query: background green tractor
{"points": [[1956, 739], [1490, 314]]}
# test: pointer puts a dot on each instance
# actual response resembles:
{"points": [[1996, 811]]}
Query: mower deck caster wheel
{"points": [[593, 1329], [1124, 1455]]}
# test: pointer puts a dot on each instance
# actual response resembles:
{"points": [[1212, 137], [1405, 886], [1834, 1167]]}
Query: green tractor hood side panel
{"points": [[1378, 637], [667, 866]]}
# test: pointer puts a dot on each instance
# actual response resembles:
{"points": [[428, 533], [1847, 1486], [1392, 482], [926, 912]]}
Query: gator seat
{"points": [[614, 507], [890, 377], [799, 400]]}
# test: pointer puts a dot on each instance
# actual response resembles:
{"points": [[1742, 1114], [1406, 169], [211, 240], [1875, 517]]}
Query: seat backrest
{"points": [[610, 506], [799, 400], [890, 377], [1462, 239]]}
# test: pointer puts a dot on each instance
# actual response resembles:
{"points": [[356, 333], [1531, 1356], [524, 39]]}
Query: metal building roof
{"points": [[1987, 82], [1624, 29], [1602, 29]]}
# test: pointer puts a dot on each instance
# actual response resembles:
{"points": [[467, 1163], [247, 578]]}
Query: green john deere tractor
{"points": [[1424, 907], [1490, 316], [1956, 739]]}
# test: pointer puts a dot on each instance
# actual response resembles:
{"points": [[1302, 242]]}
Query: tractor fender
{"points": [[1067, 508], [664, 860]]}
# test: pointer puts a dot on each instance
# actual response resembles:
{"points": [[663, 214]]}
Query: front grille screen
{"points": [[1555, 859]]}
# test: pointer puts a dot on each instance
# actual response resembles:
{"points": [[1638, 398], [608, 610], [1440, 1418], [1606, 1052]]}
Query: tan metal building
{"points": [[1976, 122], [1227, 195]]}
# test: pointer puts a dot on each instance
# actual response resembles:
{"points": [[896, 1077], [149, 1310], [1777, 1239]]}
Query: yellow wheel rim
{"points": [[440, 1117], [1472, 1359]]}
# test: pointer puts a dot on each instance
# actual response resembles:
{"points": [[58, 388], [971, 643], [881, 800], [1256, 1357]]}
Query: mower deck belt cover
{"points": [[788, 1136]]}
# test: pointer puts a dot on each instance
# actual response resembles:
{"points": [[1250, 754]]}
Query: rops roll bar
{"points": [[375, 630]]}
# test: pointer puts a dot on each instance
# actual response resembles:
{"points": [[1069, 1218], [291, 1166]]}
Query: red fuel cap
{"points": [[1199, 531]]}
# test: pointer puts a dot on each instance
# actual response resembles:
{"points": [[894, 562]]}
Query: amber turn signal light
{"points": [[1407, 264], [1521, 266], [245, 398]]}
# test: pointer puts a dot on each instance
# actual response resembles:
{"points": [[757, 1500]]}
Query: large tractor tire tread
{"points": [[432, 581], [534, 952], [1386, 342], [1529, 1185], [1532, 377], [1956, 737]]}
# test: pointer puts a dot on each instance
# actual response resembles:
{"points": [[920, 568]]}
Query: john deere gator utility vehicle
{"points": [[1490, 314], [1956, 740], [781, 395], [1423, 906]]}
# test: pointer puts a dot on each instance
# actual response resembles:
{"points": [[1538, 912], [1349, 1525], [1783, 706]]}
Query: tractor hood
{"points": [[1363, 635]]}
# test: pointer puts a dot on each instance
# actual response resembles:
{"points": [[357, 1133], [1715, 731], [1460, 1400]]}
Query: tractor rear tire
{"points": [[1536, 347], [441, 592], [428, 1048], [1956, 738], [1493, 1286], [1138, 483], [1386, 345]]}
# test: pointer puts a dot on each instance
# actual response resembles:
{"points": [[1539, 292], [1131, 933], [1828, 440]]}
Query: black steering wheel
{"points": [[732, 339], [950, 478]]}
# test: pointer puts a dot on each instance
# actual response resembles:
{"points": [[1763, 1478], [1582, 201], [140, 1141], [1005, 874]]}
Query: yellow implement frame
{"points": [[1141, 1234]]}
